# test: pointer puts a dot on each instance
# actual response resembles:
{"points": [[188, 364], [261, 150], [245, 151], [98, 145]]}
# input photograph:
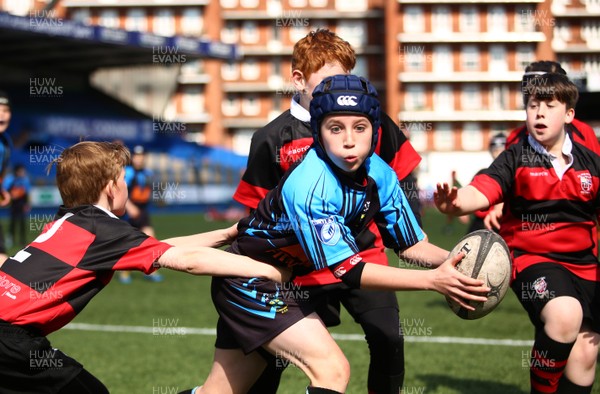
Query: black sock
{"points": [[320, 390], [548, 361], [565, 386]]}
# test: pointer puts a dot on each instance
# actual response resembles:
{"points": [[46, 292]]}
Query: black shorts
{"points": [[29, 364], [142, 220], [326, 300], [254, 311], [540, 283]]}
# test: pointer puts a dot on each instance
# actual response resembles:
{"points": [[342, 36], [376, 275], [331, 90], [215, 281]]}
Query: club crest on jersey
{"points": [[327, 229], [585, 180]]}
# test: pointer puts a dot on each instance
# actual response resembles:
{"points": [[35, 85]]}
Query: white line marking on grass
{"points": [[340, 337]]}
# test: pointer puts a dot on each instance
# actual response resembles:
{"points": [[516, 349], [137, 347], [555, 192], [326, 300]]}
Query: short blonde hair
{"points": [[84, 169]]}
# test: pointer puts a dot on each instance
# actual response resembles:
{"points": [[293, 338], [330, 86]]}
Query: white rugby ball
{"points": [[486, 258]]}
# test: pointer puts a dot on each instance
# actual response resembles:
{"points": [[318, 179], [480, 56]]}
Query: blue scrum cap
{"points": [[345, 94]]}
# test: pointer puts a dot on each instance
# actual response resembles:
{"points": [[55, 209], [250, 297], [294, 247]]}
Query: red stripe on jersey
{"points": [[292, 152], [249, 195], [78, 242], [148, 252], [589, 272], [405, 160], [488, 187], [375, 254], [543, 184]]}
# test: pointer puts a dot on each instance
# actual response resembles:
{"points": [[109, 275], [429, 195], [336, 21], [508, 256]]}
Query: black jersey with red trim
{"points": [[546, 218], [46, 284]]}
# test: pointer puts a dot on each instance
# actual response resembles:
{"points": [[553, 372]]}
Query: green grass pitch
{"points": [[148, 345]]}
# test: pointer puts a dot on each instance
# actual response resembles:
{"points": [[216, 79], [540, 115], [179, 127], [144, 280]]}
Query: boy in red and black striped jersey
{"points": [[45, 285], [283, 142], [550, 185]]}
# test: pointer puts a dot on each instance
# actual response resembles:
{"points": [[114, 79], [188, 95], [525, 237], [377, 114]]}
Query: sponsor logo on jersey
{"points": [[327, 229], [8, 287], [538, 173], [339, 272], [347, 101]]}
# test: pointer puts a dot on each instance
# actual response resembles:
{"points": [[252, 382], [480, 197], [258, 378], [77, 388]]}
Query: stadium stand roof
{"points": [[60, 44]]}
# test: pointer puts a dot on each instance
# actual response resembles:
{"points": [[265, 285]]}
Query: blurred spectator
{"points": [[139, 182], [5, 149], [18, 186]]}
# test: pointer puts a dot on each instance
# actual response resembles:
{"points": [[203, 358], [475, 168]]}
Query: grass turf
{"points": [[167, 359]]}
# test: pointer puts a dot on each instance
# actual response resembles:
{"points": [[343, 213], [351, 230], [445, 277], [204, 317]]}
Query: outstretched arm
{"points": [[213, 239], [201, 260], [445, 279], [457, 202]]}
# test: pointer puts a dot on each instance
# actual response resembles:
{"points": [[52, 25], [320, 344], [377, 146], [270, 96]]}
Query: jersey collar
{"points": [[298, 111], [567, 149]]}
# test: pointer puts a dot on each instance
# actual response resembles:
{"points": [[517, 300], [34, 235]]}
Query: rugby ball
{"points": [[486, 258]]}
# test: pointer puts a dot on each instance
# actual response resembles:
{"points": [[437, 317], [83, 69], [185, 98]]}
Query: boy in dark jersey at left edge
{"points": [[46, 284]]}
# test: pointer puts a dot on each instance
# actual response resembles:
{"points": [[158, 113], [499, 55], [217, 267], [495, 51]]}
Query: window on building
{"points": [[499, 97], [354, 31], [18, 7], [524, 56], [249, 32], [470, 98], [413, 19], [525, 18], [443, 98], [192, 22], [441, 19], [298, 3], [418, 139], [136, 20], [231, 105], [164, 22], [469, 19], [414, 98], [351, 5], [470, 58], [82, 15], [192, 100], [496, 19], [298, 32], [250, 105], [230, 71], [249, 3], [498, 59], [229, 33], [472, 137], [413, 57], [109, 18], [318, 3], [250, 69], [443, 137], [442, 59], [361, 68], [229, 3], [562, 31]]}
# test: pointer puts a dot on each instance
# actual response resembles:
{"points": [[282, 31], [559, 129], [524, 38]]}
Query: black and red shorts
{"points": [[537, 284], [254, 311]]}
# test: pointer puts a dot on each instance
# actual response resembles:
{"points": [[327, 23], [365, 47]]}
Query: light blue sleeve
{"points": [[396, 221]]}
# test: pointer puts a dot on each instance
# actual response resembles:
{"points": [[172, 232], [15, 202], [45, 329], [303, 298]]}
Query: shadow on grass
{"points": [[437, 383]]}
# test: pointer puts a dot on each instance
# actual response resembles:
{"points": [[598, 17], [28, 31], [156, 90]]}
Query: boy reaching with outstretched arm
{"points": [[311, 221], [46, 284], [549, 184]]}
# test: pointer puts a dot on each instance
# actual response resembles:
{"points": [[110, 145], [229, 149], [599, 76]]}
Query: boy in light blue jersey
{"points": [[311, 221]]}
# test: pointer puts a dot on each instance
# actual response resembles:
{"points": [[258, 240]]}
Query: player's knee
{"points": [[587, 352], [332, 372], [563, 317]]}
